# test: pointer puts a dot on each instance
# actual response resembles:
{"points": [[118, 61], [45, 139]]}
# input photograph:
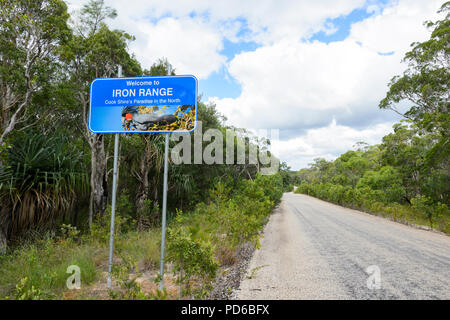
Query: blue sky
{"points": [[220, 84], [343, 24]]}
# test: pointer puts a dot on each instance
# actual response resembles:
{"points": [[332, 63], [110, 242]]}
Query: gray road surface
{"points": [[316, 250]]}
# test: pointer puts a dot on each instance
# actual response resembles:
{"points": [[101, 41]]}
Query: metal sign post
{"points": [[163, 222], [113, 202], [164, 208]]}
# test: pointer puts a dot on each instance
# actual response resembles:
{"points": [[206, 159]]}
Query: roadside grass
{"points": [[199, 243], [44, 264], [141, 248]]}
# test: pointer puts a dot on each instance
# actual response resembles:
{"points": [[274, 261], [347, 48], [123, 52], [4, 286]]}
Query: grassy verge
{"points": [[198, 243], [39, 270]]}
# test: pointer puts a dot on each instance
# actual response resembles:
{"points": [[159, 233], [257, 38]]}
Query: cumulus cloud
{"points": [[304, 85], [190, 45], [326, 142], [400, 24], [267, 20], [190, 33]]}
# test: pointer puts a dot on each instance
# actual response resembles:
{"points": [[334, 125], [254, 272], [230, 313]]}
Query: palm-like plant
{"points": [[43, 178]]}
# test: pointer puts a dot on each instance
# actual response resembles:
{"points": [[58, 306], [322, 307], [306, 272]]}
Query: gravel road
{"points": [[316, 250]]}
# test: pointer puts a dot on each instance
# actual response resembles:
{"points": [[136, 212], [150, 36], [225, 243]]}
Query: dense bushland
{"points": [[421, 211], [53, 170], [391, 179]]}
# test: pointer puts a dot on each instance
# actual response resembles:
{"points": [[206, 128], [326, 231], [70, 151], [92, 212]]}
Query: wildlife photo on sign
{"points": [[158, 118]]}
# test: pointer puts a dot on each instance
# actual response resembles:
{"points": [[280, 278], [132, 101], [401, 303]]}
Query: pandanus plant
{"points": [[42, 178]]}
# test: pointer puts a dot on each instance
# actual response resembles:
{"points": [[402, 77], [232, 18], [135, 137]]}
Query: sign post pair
{"points": [[162, 104]]}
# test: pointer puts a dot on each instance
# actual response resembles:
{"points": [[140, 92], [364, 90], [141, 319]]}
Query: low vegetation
{"points": [[421, 211], [199, 242]]}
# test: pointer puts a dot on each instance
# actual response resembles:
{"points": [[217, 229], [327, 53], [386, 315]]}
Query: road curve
{"points": [[313, 249]]}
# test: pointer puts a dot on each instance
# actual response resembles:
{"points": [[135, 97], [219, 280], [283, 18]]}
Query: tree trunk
{"points": [[3, 243], [75, 216], [143, 189], [99, 185], [144, 167]]}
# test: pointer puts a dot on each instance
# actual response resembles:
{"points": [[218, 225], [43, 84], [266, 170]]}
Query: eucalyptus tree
{"points": [[425, 84], [30, 33], [406, 149], [95, 51]]}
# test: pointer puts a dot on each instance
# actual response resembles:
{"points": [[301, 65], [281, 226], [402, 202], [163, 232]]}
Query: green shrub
{"points": [[191, 258], [44, 263], [384, 185], [233, 217], [425, 205], [25, 291], [101, 226], [383, 202], [69, 232]]}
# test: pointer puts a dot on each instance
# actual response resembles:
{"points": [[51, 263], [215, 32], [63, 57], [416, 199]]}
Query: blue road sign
{"points": [[143, 104]]}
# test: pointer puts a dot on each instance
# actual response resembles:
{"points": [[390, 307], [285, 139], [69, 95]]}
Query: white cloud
{"points": [[190, 45], [326, 142], [268, 20], [399, 25], [187, 31], [305, 85], [190, 33]]}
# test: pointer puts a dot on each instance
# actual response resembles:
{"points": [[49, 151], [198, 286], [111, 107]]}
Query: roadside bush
{"points": [[272, 186], [384, 185], [44, 264], [100, 229], [214, 230], [191, 259], [26, 291], [383, 202], [239, 226], [304, 188], [433, 212]]}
